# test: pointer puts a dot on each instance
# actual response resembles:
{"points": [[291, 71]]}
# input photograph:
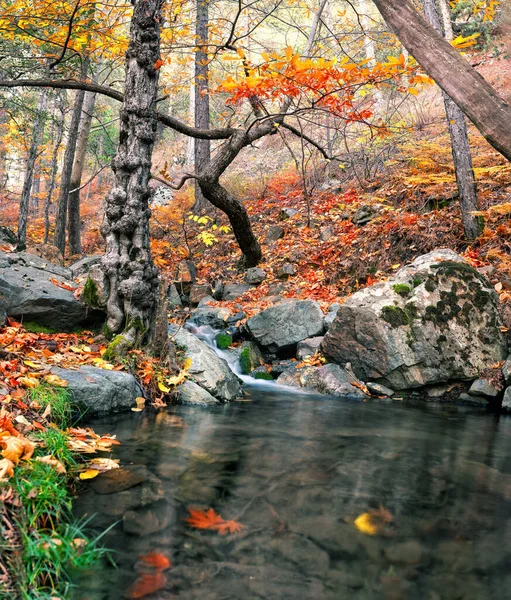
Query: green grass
{"points": [[53, 544], [59, 400], [32, 327]]}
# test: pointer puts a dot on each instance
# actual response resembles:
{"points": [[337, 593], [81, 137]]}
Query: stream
{"points": [[297, 470]]}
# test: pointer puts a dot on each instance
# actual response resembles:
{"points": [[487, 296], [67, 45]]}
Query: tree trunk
{"points": [[132, 276], [190, 147], [74, 238], [202, 148], [462, 158], [58, 130], [65, 178], [469, 90], [446, 20], [37, 131], [369, 47]]}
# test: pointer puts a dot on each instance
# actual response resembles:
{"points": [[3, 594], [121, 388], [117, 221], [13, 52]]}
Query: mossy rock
{"points": [[118, 347], [245, 362], [395, 316], [223, 341], [90, 294], [402, 289], [32, 327], [265, 376]]}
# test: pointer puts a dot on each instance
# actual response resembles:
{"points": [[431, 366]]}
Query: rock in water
{"points": [[191, 393], [27, 292], [435, 320], [331, 379], [98, 391], [279, 328], [208, 370]]}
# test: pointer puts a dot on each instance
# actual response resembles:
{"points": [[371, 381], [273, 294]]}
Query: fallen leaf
{"points": [[61, 284], [147, 583], [29, 382], [365, 524], [209, 519], [55, 380], [6, 469], [155, 559], [187, 363], [16, 448], [89, 474], [104, 464]]}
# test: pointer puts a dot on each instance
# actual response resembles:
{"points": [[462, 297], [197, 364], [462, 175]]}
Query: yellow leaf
{"points": [[89, 474], [163, 388], [137, 409], [365, 525], [31, 364], [29, 382], [413, 91], [289, 53], [55, 380], [187, 363]]}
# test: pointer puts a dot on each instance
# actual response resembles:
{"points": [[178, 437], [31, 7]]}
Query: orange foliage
{"points": [[209, 519]]}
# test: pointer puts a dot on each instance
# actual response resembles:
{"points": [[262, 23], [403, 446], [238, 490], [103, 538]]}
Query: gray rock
{"points": [[218, 290], [363, 215], [27, 293], [173, 296], [210, 315], [255, 275], [286, 271], [438, 391], [235, 290], [206, 301], [281, 327], [473, 400], [250, 357], [506, 401], [287, 213], [379, 390], [488, 271], [506, 371], [198, 292], [482, 387], [191, 393], [82, 266], [148, 519], [208, 370], [329, 379], [308, 347], [326, 233], [281, 367], [98, 391], [331, 314], [234, 319], [119, 480], [3, 316], [7, 236], [434, 321], [97, 288], [275, 232]]}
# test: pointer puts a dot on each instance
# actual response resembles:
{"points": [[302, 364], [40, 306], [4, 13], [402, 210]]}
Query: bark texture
{"points": [[74, 227], [462, 157], [202, 148], [469, 90], [37, 133], [132, 276], [65, 178]]}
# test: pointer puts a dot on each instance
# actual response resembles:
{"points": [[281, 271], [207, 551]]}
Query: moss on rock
{"points": [[223, 341], [262, 375], [117, 347], [402, 289], [245, 361], [90, 294], [395, 316]]}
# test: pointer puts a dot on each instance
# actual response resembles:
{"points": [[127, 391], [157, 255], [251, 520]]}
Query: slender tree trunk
{"points": [[58, 134], [190, 148], [128, 265], [446, 20], [469, 90], [462, 158], [100, 157], [37, 131], [74, 238], [369, 46], [65, 178], [36, 188], [202, 148]]}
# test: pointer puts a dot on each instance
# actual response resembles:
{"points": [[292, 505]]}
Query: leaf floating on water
{"points": [[146, 584], [364, 524], [156, 560], [209, 519]]}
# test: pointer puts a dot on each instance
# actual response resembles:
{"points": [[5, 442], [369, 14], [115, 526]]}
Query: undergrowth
{"points": [[48, 544]]}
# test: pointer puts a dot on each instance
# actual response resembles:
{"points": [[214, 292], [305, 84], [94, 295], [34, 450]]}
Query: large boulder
{"points": [[280, 328], [208, 370], [27, 292], [98, 391], [435, 320], [191, 393], [83, 266], [7, 236]]}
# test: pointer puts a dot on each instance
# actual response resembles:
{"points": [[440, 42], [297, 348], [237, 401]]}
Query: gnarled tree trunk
{"points": [[132, 276]]}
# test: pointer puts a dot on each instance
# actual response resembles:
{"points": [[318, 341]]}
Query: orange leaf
{"points": [[61, 284], [156, 560], [209, 519], [146, 584], [158, 64]]}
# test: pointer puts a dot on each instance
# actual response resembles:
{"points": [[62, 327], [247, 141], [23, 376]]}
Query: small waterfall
{"points": [[208, 335]]}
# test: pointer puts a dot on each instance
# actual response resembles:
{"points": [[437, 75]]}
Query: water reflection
{"points": [[296, 471]]}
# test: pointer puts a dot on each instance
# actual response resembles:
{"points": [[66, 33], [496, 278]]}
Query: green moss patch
{"points": [[32, 327], [245, 362], [223, 341], [395, 316], [402, 289], [90, 294], [262, 375]]}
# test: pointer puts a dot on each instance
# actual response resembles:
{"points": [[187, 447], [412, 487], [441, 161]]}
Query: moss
{"points": [[223, 341], [117, 347], [402, 289], [462, 270], [416, 281], [137, 324], [32, 327], [395, 316], [482, 298], [430, 285], [245, 361], [90, 294], [262, 375]]}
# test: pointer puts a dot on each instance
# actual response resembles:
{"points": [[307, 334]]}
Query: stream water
{"points": [[297, 470]]}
